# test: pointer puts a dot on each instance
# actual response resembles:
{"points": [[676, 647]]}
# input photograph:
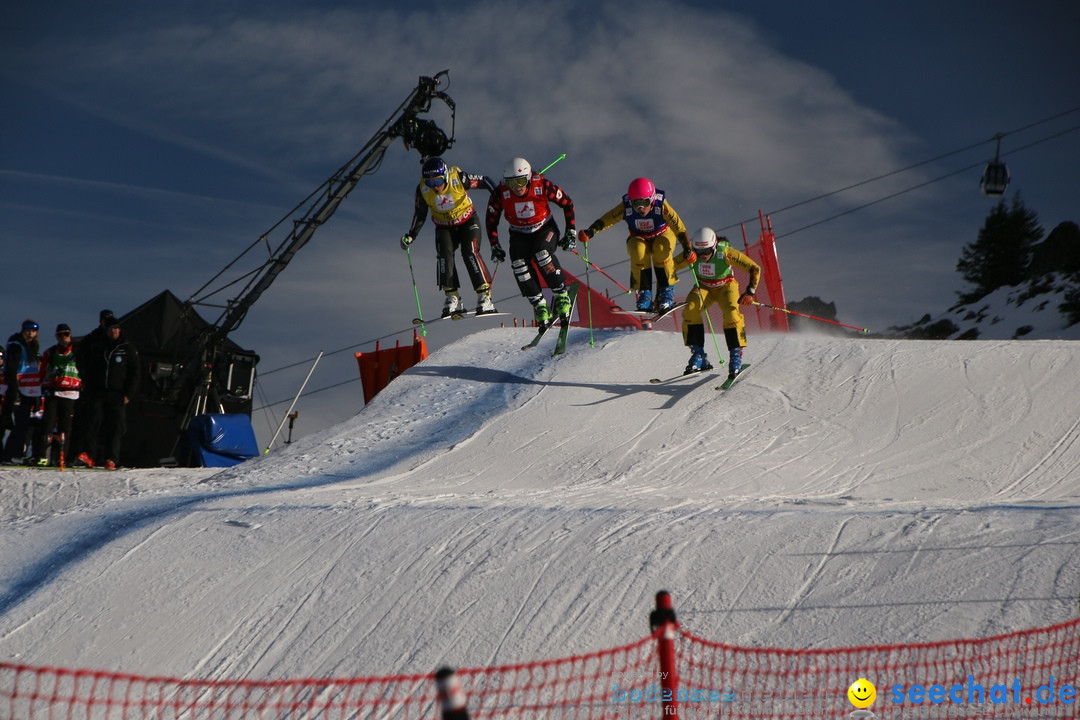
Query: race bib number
{"points": [[645, 225]]}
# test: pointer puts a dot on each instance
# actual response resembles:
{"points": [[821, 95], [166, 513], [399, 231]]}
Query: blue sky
{"points": [[145, 145]]}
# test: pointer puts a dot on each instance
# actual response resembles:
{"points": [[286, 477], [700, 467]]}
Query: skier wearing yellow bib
{"points": [[444, 191], [712, 259]]}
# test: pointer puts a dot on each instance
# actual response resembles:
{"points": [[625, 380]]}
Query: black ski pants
{"points": [[466, 238], [536, 249]]}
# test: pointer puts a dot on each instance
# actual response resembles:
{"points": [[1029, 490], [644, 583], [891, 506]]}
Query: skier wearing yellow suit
{"points": [[713, 258], [654, 228]]}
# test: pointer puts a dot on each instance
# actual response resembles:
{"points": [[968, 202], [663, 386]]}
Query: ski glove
{"points": [[498, 255], [569, 240], [689, 257], [747, 298], [406, 241], [583, 236]]}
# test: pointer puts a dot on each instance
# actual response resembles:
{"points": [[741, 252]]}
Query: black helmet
{"points": [[434, 168]]}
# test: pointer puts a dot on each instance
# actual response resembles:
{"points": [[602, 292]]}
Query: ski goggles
{"points": [[435, 181], [517, 182], [641, 203]]}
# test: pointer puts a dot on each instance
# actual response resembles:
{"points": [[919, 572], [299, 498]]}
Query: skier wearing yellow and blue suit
{"points": [[444, 190], [713, 258], [654, 227]]}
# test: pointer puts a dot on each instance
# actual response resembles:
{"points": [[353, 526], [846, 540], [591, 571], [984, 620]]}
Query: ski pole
{"points": [[552, 163], [705, 311], [597, 267], [588, 289], [812, 317], [416, 293]]}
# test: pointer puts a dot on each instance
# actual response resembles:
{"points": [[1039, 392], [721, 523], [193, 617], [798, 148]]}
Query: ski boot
{"points": [[562, 303], [454, 304], [735, 362], [699, 362], [665, 299], [542, 314], [644, 301], [484, 306]]}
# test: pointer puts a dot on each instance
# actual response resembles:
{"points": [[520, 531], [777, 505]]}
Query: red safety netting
{"points": [[576, 688], [573, 687], [996, 677], [770, 290], [1028, 674], [30, 693]]}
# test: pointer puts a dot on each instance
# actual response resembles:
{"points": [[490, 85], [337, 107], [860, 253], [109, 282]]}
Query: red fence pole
{"points": [[664, 617]]}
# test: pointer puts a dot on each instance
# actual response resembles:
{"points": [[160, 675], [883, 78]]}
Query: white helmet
{"points": [[518, 167], [704, 240]]}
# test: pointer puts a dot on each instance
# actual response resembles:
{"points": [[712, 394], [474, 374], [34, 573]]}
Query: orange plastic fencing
{"points": [[378, 368], [1028, 674]]}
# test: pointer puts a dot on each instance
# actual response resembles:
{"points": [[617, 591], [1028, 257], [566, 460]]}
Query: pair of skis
{"points": [[454, 316], [731, 379], [653, 316], [564, 325], [664, 313]]}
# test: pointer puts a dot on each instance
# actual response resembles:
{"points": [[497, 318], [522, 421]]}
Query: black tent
{"points": [[169, 336]]}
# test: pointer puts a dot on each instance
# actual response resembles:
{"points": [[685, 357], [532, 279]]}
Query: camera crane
{"points": [[208, 375]]}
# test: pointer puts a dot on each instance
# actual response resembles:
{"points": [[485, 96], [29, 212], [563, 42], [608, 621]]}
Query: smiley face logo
{"points": [[862, 693]]}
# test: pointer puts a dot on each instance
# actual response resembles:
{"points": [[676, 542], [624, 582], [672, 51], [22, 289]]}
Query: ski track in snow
{"points": [[496, 506]]}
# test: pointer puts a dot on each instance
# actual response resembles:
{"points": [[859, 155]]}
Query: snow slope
{"points": [[495, 506]]}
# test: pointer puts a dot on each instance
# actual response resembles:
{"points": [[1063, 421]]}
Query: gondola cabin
{"points": [[995, 178]]}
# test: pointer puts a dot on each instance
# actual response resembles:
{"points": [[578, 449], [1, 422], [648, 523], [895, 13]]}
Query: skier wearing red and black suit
{"points": [[525, 198]]}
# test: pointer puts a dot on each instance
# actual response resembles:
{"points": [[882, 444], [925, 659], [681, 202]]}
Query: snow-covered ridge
{"points": [[1029, 311]]}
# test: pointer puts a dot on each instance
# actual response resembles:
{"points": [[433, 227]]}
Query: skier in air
{"points": [[712, 259], [655, 227], [525, 198], [444, 189]]}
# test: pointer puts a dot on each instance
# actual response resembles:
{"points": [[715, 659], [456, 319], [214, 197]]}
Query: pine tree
{"points": [[1001, 254]]}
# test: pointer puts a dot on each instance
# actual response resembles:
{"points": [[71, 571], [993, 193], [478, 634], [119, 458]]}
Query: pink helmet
{"points": [[641, 188]]}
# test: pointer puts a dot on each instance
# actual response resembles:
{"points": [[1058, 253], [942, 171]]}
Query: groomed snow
{"points": [[496, 506]]}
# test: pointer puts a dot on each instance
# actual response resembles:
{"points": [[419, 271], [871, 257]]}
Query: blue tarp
{"points": [[222, 440]]}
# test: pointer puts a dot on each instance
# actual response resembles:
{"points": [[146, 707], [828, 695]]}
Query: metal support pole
{"points": [[289, 411]]}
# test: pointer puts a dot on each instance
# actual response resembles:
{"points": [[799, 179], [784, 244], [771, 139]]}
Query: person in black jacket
{"points": [[87, 350], [111, 374], [23, 396]]}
